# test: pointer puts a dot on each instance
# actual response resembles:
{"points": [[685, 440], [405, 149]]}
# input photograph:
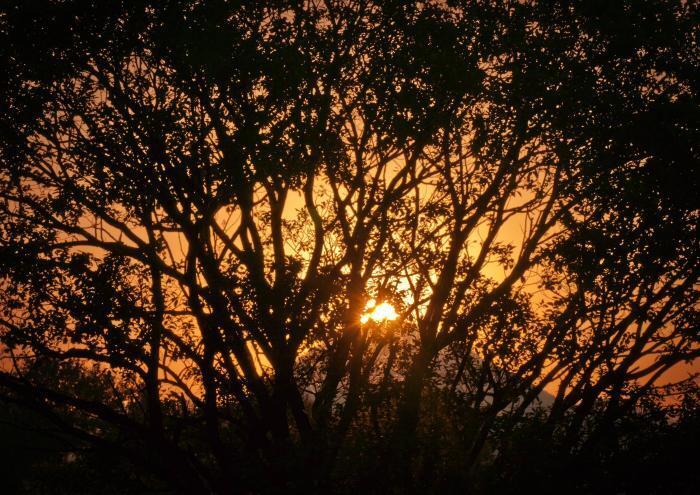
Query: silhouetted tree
{"points": [[202, 201]]}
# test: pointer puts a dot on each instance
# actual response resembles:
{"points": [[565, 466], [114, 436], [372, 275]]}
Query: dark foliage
{"points": [[387, 246]]}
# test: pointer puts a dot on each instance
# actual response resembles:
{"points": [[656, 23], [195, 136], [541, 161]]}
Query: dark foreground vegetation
{"points": [[349, 246], [650, 450]]}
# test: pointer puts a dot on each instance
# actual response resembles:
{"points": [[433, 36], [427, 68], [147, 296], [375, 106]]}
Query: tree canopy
{"points": [[204, 204]]}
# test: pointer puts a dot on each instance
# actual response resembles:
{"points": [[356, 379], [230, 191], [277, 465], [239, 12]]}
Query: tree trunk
{"points": [[405, 434]]}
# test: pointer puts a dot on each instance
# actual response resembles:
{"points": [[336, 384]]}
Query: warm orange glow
{"points": [[378, 312]]}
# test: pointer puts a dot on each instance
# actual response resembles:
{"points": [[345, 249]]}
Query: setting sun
{"points": [[378, 312]]}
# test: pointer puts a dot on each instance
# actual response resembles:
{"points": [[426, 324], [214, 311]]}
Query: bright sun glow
{"points": [[378, 312]]}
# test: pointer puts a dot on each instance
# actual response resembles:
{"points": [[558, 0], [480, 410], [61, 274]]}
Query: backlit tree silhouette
{"points": [[200, 200]]}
